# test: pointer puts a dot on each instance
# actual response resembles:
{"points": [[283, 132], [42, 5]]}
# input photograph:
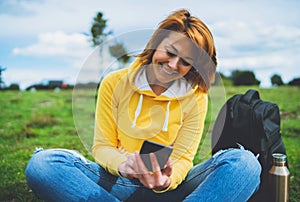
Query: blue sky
{"points": [[47, 39]]}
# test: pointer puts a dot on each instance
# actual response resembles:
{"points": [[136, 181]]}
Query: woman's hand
{"points": [[127, 168], [157, 179], [134, 167]]}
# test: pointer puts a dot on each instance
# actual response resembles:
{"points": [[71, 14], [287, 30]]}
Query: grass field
{"points": [[45, 119]]}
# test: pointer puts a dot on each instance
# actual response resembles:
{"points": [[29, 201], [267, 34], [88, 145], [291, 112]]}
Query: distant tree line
{"points": [[13, 86], [247, 78], [244, 78], [237, 78]]}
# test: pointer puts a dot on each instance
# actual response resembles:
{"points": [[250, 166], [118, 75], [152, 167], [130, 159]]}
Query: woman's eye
{"points": [[170, 54], [184, 63]]}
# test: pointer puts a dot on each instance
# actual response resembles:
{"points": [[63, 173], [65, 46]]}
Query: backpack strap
{"points": [[249, 95]]}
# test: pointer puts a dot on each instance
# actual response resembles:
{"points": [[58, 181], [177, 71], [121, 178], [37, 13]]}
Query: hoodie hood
{"points": [[179, 89]]}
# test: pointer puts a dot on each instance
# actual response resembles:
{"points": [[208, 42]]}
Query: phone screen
{"points": [[162, 153]]}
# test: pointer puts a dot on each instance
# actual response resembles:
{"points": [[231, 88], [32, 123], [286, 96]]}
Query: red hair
{"points": [[203, 71]]}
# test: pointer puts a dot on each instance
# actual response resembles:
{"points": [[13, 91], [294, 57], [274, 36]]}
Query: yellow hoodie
{"points": [[129, 112]]}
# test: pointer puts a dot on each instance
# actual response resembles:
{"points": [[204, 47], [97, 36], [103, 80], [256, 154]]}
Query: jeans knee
{"points": [[42, 162], [35, 169], [251, 162], [247, 160], [250, 167], [37, 163], [244, 163]]}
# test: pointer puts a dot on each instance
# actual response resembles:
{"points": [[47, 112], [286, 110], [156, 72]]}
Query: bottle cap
{"points": [[278, 157]]}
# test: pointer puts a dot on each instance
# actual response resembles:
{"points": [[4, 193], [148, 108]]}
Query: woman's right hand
{"points": [[127, 168], [134, 167]]}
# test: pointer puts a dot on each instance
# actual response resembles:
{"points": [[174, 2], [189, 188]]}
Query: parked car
{"points": [[48, 85]]}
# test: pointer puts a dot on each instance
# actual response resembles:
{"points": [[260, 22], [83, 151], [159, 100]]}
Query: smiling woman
{"points": [[169, 62], [161, 97], [195, 43]]}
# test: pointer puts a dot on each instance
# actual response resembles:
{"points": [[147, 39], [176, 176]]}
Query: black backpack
{"points": [[255, 124]]}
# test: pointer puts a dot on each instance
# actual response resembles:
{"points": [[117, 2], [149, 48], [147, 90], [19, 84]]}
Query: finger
{"points": [[155, 166], [132, 162], [154, 162], [160, 181], [141, 168], [130, 173], [168, 169], [129, 165], [126, 171], [143, 175], [135, 164]]}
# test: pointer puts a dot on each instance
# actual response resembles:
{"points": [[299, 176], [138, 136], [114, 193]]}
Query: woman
{"points": [[161, 97]]}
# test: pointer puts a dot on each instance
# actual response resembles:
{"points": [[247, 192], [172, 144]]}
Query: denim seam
{"points": [[129, 185], [78, 162], [199, 173]]}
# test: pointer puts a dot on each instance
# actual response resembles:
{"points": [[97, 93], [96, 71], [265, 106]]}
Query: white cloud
{"points": [[258, 46], [57, 44], [236, 37]]}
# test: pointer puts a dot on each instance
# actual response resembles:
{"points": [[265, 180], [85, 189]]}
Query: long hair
{"points": [[203, 70]]}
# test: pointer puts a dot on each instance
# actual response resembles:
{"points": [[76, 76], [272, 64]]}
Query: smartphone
{"points": [[162, 153]]}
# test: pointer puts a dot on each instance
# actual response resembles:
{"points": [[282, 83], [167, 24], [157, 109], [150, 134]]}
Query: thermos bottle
{"points": [[279, 177]]}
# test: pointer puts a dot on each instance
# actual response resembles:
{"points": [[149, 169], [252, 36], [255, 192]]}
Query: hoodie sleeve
{"points": [[188, 139], [105, 148]]}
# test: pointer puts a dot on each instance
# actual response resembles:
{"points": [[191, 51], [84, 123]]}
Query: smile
{"points": [[168, 71]]}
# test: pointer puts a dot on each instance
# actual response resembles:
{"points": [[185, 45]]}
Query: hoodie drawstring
{"points": [[138, 111], [166, 123]]}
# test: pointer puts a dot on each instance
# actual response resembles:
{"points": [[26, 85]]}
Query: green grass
{"points": [[45, 119]]}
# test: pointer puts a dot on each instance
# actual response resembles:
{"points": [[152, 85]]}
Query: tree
{"points": [[99, 32], [1, 80], [99, 35], [120, 53], [13, 86], [276, 80], [295, 82], [98, 29], [246, 78]]}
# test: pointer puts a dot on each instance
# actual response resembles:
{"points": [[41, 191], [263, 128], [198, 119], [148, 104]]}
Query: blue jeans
{"points": [[65, 175]]}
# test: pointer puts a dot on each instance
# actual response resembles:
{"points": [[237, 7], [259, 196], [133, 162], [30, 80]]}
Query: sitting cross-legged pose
{"points": [[161, 97]]}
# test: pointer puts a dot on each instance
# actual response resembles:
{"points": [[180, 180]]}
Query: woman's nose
{"points": [[174, 62]]}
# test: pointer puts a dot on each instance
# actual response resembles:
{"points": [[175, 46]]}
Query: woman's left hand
{"points": [[158, 179]]}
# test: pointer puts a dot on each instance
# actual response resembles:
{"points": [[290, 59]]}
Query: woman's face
{"points": [[173, 58]]}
